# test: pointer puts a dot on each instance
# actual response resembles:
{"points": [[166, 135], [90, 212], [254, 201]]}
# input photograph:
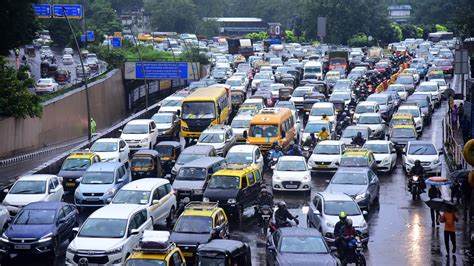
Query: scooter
{"points": [[273, 225], [266, 213], [356, 253], [415, 187]]}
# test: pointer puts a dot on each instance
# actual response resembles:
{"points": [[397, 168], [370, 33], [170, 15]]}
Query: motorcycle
{"points": [[273, 225], [415, 187], [355, 254], [272, 163], [307, 151], [266, 213]]}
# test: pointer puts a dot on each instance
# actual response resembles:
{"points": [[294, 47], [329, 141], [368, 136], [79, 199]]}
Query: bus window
{"points": [[198, 110]]}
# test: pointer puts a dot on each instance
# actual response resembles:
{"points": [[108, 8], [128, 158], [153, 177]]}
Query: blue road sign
{"points": [[83, 38], [161, 70], [42, 10], [116, 42], [72, 11], [90, 36]]}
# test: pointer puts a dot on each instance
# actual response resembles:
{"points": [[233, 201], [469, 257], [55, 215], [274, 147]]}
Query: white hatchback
{"points": [[140, 134], [326, 155], [245, 154], [112, 150], [291, 174], [384, 153]]}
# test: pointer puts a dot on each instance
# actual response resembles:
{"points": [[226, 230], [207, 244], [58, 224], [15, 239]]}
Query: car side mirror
{"points": [[155, 201], [75, 230], [120, 180], [394, 151], [333, 249], [365, 213], [53, 190], [440, 152], [6, 190], [62, 220], [178, 112], [120, 130], [245, 134], [317, 212], [271, 248], [121, 149], [79, 180], [134, 232], [109, 200]]}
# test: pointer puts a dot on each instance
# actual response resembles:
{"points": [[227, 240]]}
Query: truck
{"points": [[375, 53], [338, 60], [240, 46]]}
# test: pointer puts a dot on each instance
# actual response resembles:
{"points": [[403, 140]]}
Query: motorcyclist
{"points": [[23, 59], [275, 152], [311, 141], [282, 215], [339, 231], [325, 117], [294, 150], [323, 134], [264, 198], [358, 140], [349, 234], [417, 170]]}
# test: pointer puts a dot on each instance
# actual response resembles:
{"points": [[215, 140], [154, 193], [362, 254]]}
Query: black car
{"points": [[223, 252], [299, 246], [39, 228]]}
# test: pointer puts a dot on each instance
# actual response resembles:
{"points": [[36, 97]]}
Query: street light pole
{"points": [[142, 66], [175, 62], [89, 132]]}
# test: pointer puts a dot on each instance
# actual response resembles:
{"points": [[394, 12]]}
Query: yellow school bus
{"points": [[204, 107], [269, 125]]}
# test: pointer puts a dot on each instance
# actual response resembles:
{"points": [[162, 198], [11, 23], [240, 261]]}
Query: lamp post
{"points": [[142, 66], [174, 58], [89, 132]]}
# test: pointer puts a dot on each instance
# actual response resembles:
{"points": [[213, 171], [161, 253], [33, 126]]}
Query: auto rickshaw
{"points": [[145, 163], [237, 98], [284, 93], [223, 252], [310, 99], [52, 69], [168, 152], [62, 76], [44, 68], [30, 50]]}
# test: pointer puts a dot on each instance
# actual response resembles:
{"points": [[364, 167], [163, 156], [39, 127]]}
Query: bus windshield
{"points": [[199, 110]]}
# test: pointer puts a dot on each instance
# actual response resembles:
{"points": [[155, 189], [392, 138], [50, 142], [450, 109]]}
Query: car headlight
{"points": [[205, 199], [198, 191], [362, 196], [45, 238], [410, 160], [363, 224], [4, 238], [71, 250], [329, 224], [185, 128], [436, 161], [77, 192], [114, 251], [276, 177], [231, 201], [110, 192], [386, 160], [306, 178], [145, 140]]}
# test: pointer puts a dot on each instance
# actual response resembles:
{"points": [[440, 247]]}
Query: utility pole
{"points": [[142, 66], [84, 74], [84, 22], [174, 58]]}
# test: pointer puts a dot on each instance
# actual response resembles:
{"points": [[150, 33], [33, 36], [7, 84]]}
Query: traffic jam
{"points": [[239, 150]]}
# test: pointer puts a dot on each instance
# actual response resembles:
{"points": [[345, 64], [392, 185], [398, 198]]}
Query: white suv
{"points": [[109, 235], [221, 137], [424, 151], [112, 150], [245, 154], [430, 88], [327, 155], [140, 134]]}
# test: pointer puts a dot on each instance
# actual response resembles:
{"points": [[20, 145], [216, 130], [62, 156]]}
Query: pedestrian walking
{"points": [[93, 126], [454, 117], [449, 218], [460, 112], [434, 193]]}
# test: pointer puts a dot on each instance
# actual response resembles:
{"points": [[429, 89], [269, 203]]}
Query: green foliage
{"points": [[257, 36], [209, 28], [16, 100], [433, 11], [18, 24], [464, 19], [398, 34], [173, 15], [440, 27], [359, 40]]}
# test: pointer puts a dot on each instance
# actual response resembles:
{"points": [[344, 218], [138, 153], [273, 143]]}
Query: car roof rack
{"points": [[355, 149], [81, 152], [156, 242], [201, 206]]}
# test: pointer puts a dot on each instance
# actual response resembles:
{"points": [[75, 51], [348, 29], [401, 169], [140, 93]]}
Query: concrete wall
{"points": [[65, 117]]}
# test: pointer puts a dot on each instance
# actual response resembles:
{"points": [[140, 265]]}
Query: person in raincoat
{"points": [[93, 126]]}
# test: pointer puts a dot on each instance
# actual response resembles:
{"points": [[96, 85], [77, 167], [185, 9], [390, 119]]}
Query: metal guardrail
{"points": [[452, 147]]}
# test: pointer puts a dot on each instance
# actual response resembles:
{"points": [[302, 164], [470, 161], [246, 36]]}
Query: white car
{"points": [[68, 51], [400, 89], [326, 155], [68, 59], [297, 97], [350, 132], [109, 235], [384, 153], [171, 104], [46, 85], [237, 84], [431, 88], [140, 134], [112, 150], [291, 174], [376, 124], [33, 188], [415, 111], [245, 154], [155, 193], [443, 86], [323, 108], [239, 124], [424, 151], [221, 137], [315, 127], [365, 107], [275, 89]]}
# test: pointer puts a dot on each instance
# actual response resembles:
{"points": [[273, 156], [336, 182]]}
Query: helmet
{"points": [[282, 204], [324, 115], [417, 162], [349, 221], [264, 190], [311, 134], [342, 216], [263, 186], [323, 129], [359, 134], [346, 119]]}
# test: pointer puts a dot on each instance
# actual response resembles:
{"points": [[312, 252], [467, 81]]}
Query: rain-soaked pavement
{"points": [[400, 229]]}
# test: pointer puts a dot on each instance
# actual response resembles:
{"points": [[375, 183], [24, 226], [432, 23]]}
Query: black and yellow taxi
{"points": [[401, 119], [358, 158], [199, 223], [234, 188], [74, 167], [156, 249], [400, 135]]}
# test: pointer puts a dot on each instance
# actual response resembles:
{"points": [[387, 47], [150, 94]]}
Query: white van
{"points": [[313, 70], [321, 108]]}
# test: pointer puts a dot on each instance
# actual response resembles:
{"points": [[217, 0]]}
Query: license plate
{"points": [[322, 166], [22, 247], [70, 184], [291, 186], [187, 254], [92, 199], [265, 216], [141, 173]]}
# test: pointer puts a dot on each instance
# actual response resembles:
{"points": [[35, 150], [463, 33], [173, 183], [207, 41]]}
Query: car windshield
{"points": [[427, 88], [234, 82], [405, 80], [171, 102], [103, 228], [191, 173], [403, 133], [98, 178], [164, 150], [333, 208], [327, 149], [302, 245], [263, 131], [349, 178], [185, 158], [211, 138], [131, 197], [319, 111], [379, 100], [397, 88], [193, 224], [198, 110], [224, 182], [104, 146], [415, 112], [340, 96], [240, 123], [45, 81], [354, 161], [369, 120], [239, 158], [377, 148], [315, 127], [35, 217], [135, 129], [28, 187], [313, 69], [300, 92], [285, 104], [360, 109], [76, 164], [421, 101], [142, 162], [422, 149], [342, 85], [291, 166], [352, 132], [162, 118], [145, 262]]}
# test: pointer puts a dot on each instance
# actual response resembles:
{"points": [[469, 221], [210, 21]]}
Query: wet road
{"points": [[400, 229]]}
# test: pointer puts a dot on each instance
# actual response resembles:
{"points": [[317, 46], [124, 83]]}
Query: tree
{"points": [[464, 19], [16, 99], [173, 15], [18, 24], [208, 28]]}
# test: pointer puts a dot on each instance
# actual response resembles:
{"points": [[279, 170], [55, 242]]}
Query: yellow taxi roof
{"points": [[205, 213], [403, 126], [356, 153], [80, 155], [149, 256], [238, 171], [402, 116]]}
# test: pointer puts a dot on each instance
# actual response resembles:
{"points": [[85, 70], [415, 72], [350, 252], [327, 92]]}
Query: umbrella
{"points": [[459, 175], [439, 204], [438, 181]]}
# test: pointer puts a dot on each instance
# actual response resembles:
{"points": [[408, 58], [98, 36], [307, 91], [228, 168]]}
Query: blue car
{"points": [[100, 183], [39, 228]]}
